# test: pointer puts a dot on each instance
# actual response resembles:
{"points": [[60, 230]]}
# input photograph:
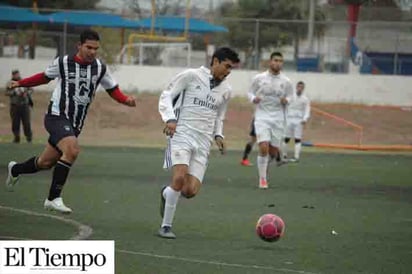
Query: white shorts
{"points": [[188, 150], [294, 130], [270, 132]]}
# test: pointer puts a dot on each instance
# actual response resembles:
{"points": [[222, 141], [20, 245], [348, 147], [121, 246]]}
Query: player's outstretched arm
{"points": [[32, 81], [122, 98]]}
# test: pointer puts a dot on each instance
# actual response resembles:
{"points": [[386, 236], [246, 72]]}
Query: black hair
{"points": [[89, 35], [276, 53], [301, 83], [225, 53], [14, 71]]}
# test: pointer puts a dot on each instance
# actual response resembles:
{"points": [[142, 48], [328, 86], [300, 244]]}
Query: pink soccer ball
{"points": [[270, 227]]}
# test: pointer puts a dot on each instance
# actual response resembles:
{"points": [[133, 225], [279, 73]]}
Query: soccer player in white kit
{"points": [[298, 115], [193, 107], [271, 91]]}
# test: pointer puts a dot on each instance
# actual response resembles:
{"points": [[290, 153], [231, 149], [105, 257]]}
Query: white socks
{"points": [[262, 163], [298, 148], [172, 197]]}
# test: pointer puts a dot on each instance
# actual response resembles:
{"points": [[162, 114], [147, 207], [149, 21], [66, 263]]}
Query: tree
{"points": [[53, 4], [256, 32], [48, 6], [162, 7]]}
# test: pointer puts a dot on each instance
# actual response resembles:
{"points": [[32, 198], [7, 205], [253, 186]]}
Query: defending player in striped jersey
{"points": [[271, 91], [78, 78], [298, 115], [193, 107]]}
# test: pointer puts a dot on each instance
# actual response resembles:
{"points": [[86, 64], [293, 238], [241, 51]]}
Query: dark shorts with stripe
{"points": [[58, 128], [252, 132]]}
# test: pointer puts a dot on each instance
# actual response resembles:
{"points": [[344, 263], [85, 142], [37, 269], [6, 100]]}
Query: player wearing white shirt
{"points": [[193, 107], [298, 115], [271, 91]]}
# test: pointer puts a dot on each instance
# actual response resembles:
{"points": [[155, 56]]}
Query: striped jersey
{"points": [[195, 101], [76, 87]]}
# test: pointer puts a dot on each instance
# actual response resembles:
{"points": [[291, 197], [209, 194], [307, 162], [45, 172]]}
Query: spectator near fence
{"points": [[20, 104]]}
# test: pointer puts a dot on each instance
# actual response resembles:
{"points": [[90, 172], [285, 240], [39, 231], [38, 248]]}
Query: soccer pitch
{"points": [[365, 198]]}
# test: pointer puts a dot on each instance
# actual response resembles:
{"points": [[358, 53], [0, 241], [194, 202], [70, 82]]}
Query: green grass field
{"points": [[365, 198]]}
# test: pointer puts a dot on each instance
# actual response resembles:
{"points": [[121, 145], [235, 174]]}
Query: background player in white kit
{"points": [[271, 91], [298, 115], [193, 108]]}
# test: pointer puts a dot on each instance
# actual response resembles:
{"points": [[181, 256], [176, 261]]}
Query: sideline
{"points": [[84, 231], [221, 264]]}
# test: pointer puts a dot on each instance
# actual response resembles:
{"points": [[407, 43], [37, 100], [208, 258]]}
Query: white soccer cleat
{"points": [[11, 181], [57, 205], [166, 232]]}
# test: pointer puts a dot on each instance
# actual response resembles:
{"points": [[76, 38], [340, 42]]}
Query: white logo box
{"points": [[57, 257]]}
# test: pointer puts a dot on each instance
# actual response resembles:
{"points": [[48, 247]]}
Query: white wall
{"points": [[320, 87]]}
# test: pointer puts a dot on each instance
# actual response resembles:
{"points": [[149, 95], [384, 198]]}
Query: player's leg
{"points": [[297, 150], [45, 160], [262, 163], [285, 144], [191, 187], [298, 141], [276, 143], [63, 137], [169, 199], [275, 154], [177, 157], [263, 137], [70, 149], [186, 182], [290, 128], [197, 168], [249, 146]]}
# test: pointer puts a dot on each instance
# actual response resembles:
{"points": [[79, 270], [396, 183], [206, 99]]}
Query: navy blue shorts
{"points": [[58, 128], [252, 132]]}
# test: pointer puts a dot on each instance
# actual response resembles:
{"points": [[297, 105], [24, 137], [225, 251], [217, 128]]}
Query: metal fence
{"points": [[389, 44]]}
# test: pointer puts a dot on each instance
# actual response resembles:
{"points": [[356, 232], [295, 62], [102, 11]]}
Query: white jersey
{"points": [[194, 103], [299, 109], [271, 88]]}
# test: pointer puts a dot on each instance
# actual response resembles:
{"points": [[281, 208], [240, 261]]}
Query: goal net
{"points": [[156, 54]]}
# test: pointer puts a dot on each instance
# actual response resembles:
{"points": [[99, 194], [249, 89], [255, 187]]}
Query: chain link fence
{"points": [[387, 44]]}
